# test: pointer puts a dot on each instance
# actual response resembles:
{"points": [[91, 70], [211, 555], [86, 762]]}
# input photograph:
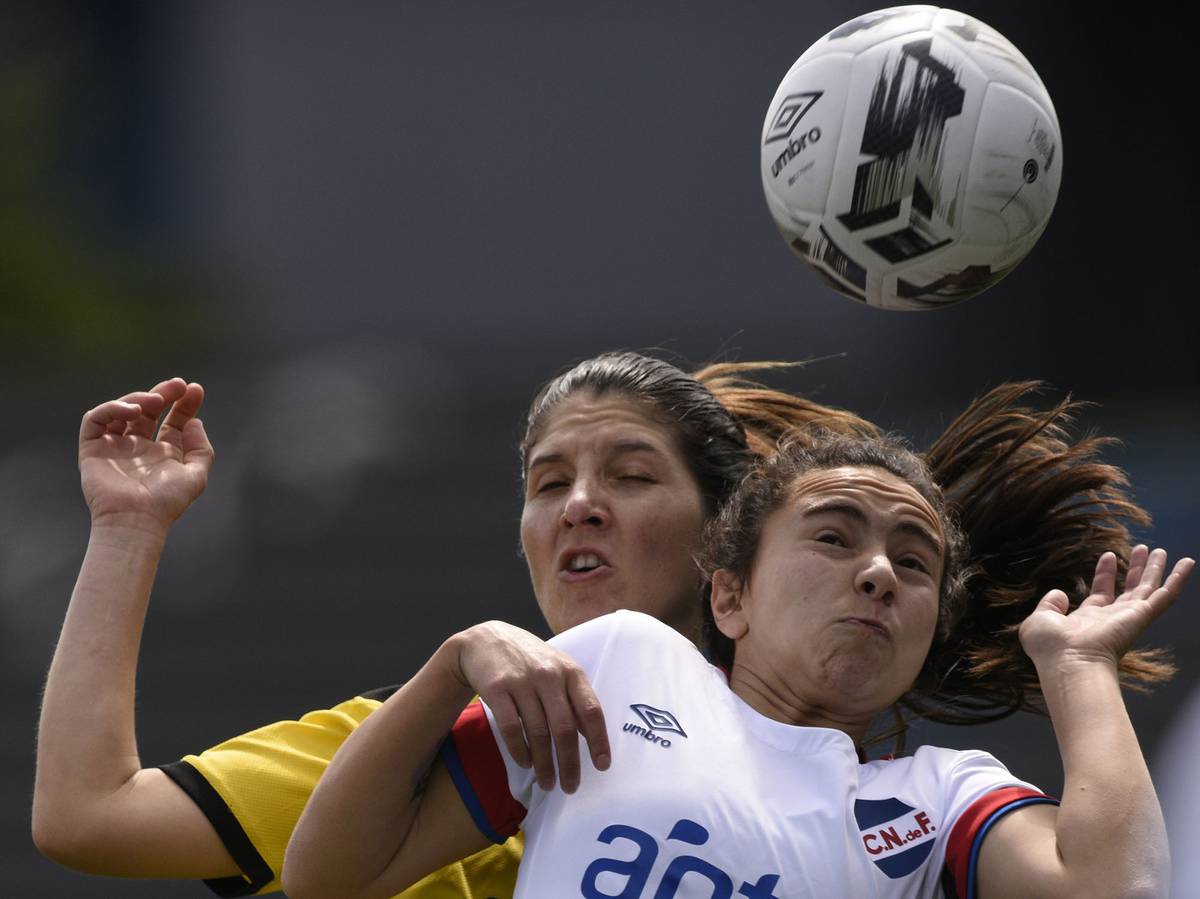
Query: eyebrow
{"points": [[621, 447], [905, 527]]}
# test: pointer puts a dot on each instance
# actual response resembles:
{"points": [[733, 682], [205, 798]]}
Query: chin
{"points": [[858, 679]]}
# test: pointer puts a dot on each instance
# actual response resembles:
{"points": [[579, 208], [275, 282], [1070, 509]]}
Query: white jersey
{"points": [[707, 798]]}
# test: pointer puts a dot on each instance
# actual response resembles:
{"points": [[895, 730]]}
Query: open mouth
{"points": [[580, 563], [584, 562]]}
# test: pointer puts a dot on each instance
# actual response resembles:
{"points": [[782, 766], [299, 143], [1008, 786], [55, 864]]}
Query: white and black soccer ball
{"points": [[911, 157]]}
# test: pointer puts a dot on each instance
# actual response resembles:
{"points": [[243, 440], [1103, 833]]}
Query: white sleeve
{"points": [[978, 791]]}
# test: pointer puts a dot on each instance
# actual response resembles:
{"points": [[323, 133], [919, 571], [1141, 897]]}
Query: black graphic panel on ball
{"points": [[826, 256], [906, 121]]}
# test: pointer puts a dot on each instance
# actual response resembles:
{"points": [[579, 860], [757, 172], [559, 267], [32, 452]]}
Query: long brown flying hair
{"points": [[1038, 506]]}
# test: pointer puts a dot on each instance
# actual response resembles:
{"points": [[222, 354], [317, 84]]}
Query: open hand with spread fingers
{"points": [[134, 476], [1105, 625]]}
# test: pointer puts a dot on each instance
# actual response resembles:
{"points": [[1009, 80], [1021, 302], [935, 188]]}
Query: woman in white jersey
{"points": [[840, 588]]}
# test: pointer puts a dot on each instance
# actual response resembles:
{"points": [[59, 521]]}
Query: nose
{"points": [[585, 505], [877, 579]]}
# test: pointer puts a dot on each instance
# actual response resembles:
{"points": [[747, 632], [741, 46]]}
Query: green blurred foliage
{"points": [[74, 289]]}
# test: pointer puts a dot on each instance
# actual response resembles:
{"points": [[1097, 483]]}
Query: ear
{"points": [[728, 613]]}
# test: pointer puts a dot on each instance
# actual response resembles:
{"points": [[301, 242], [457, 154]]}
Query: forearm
{"points": [[364, 805], [86, 745], [1110, 831]]}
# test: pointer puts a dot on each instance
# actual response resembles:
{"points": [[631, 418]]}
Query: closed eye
{"points": [[550, 485]]}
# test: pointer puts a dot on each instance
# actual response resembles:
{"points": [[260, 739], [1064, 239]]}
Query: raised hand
{"points": [[537, 694], [1105, 625], [132, 476]]}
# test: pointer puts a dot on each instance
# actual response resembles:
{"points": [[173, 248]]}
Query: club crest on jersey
{"points": [[895, 836], [656, 721]]}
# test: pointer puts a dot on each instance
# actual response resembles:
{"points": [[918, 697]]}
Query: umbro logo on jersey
{"points": [[656, 720], [896, 836]]}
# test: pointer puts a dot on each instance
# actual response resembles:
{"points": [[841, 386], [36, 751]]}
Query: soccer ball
{"points": [[911, 157]]}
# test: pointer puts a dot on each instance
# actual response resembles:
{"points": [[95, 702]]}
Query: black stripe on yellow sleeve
{"points": [[256, 870], [380, 693]]}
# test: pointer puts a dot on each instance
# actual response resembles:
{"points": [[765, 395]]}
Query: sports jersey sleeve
{"points": [[253, 788], [980, 792], [479, 768], [497, 791]]}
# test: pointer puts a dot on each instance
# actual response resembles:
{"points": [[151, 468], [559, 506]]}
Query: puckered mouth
{"points": [[870, 623]]}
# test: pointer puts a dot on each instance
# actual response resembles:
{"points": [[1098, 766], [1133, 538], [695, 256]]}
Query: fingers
{"points": [[571, 710], [541, 726], [183, 410], [1054, 601], [108, 418], [1162, 598], [197, 450], [521, 721], [590, 717], [561, 720], [540, 700], [1152, 576], [152, 403], [134, 414], [537, 735], [1137, 564], [1104, 581], [508, 722]]}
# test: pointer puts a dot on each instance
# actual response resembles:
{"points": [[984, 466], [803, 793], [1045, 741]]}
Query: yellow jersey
{"points": [[253, 787]]}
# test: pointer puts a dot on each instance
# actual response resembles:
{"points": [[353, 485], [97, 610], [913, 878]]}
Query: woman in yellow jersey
{"points": [[648, 472]]}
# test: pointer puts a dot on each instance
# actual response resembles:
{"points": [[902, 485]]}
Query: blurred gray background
{"points": [[372, 230]]}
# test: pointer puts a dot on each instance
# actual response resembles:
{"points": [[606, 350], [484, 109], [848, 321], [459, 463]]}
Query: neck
{"points": [[774, 700]]}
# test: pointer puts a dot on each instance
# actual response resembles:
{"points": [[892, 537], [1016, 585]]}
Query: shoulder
{"points": [[947, 779], [290, 746], [938, 759], [639, 641], [958, 774], [972, 787], [952, 796], [628, 630], [640, 626], [935, 761]]}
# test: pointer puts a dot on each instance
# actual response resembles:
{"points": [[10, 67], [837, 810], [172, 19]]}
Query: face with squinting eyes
{"points": [[612, 515], [841, 602]]}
